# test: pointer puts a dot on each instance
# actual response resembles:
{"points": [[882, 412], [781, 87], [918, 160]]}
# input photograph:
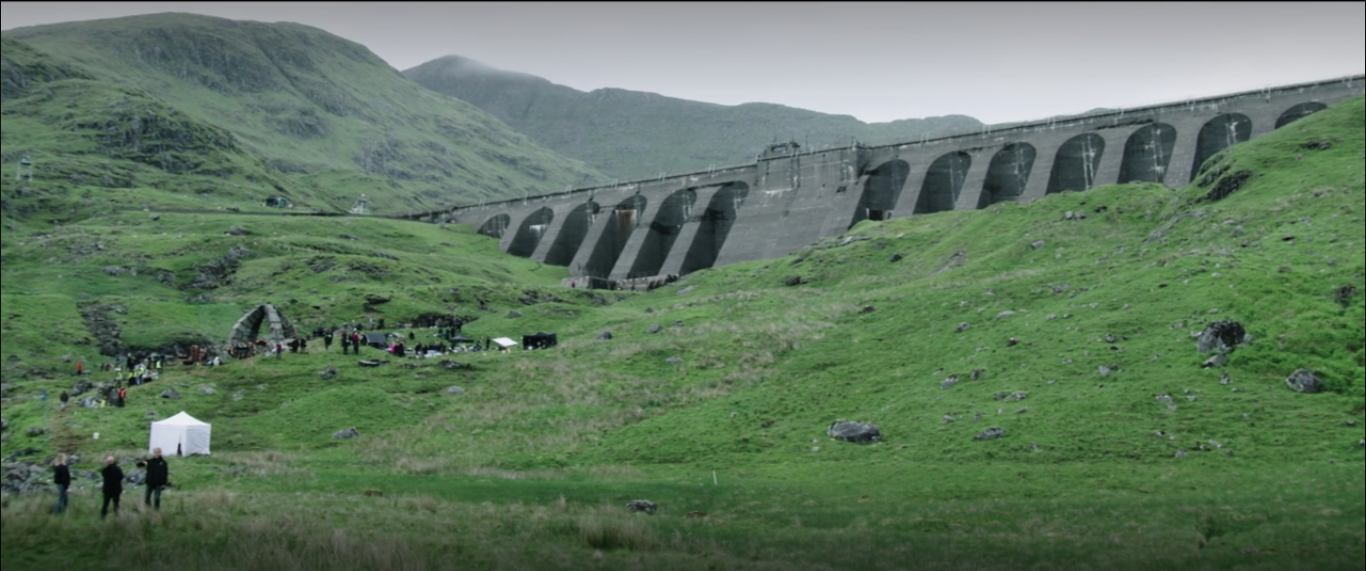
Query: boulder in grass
{"points": [[853, 431], [171, 394], [642, 506], [1304, 381], [346, 434], [990, 434], [1220, 337]]}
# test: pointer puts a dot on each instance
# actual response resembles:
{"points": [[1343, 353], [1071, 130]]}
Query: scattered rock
{"points": [[171, 394], [604, 336], [1304, 381], [686, 290], [853, 431], [1015, 396], [795, 280], [674, 361], [897, 257], [155, 217], [962, 327], [656, 328], [450, 365], [328, 373], [346, 434], [206, 390], [1218, 360], [1317, 145], [1228, 185], [371, 363], [1012, 342], [1345, 293], [947, 419], [868, 309], [951, 381], [990, 434], [1037, 245], [237, 231], [1180, 453], [514, 314], [976, 374], [36, 431], [347, 237], [642, 506], [455, 391], [1005, 314], [1224, 379], [1103, 371]]}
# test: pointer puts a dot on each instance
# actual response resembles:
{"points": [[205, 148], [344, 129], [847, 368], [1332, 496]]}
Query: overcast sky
{"points": [[875, 61]]}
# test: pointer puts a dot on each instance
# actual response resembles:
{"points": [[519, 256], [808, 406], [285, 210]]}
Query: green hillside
{"points": [[631, 134], [1072, 335], [326, 118]]}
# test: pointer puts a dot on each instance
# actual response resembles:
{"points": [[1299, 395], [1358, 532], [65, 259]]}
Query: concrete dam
{"points": [[635, 233]]}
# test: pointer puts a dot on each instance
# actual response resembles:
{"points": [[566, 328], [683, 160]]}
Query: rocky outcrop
{"points": [[853, 431], [218, 272], [1304, 381]]}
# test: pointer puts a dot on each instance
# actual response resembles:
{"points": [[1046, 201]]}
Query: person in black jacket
{"points": [[158, 475], [113, 485], [61, 475]]}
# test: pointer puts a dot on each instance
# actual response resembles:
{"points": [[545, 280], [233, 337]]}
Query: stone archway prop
{"points": [[248, 328]]}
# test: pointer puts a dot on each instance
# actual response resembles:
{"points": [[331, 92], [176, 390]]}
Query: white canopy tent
{"points": [[504, 342], [180, 435]]}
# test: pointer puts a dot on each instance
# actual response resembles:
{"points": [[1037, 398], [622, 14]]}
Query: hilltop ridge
{"points": [[629, 134], [329, 118]]}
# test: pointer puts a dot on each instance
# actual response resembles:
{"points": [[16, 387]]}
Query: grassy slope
{"points": [[631, 134], [330, 115], [528, 468]]}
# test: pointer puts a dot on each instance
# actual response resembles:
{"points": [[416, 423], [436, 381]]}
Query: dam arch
{"points": [[1299, 112], [619, 225], [572, 234], [714, 227], [1076, 163], [662, 232], [531, 231], [495, 226], [1007, 174], [881, 191], [1147, 154], [943, 183], [1218, 134]]}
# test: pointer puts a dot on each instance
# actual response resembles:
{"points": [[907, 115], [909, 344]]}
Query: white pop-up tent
{"points": [[180, 435], [504, 342]]}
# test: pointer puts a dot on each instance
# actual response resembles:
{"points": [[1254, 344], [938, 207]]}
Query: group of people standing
{"points": [[112, 476]]}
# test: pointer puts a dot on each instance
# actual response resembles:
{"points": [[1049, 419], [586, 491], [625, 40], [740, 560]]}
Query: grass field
{"points": [[1120, 451]]}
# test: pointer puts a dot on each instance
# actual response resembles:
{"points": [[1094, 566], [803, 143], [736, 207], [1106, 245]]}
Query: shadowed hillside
{"points": [[327, 115], [631, 134]]}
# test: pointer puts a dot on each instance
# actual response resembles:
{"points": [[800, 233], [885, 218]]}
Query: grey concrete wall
{"points": [[790, 197]]}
